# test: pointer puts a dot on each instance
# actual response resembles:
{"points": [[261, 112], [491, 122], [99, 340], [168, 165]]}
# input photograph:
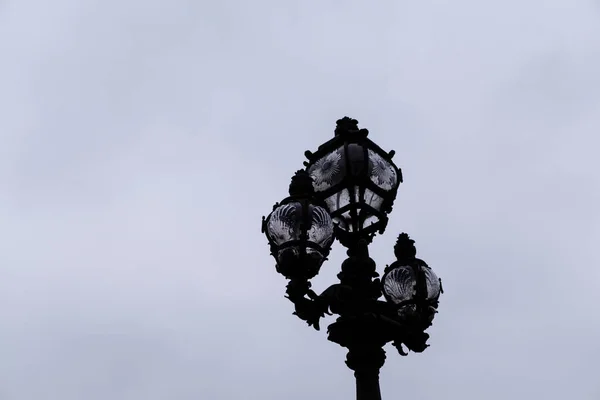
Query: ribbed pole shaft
{"points": [[366, 361], [367, 385]]}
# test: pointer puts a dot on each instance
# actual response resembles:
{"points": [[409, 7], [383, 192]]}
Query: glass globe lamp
{"points": [[299, 230], [356, 180], [411, 286]]}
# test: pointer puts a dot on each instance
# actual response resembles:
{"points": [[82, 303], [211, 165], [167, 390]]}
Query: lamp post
{"points": [[345, 193]]}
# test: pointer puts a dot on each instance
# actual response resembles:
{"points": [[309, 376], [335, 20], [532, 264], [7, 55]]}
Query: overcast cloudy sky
{"points": [[142, 141]]}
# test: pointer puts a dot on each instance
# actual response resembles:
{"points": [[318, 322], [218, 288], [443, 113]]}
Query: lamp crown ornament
{"points": [[349, 125], [302, 184], [405, 249]]}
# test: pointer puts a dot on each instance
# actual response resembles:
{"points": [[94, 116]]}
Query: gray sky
{"points": [[142, 141]]}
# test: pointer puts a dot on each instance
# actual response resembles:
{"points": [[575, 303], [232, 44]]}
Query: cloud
{"points": [[142, 142]]}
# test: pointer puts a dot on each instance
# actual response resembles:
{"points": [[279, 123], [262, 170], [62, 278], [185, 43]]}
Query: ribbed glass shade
{"points": [[301, 238], [362, 166], [400, 287], [284, 224], [286, 221], [381, 172], [400, 284], [329, 170]]}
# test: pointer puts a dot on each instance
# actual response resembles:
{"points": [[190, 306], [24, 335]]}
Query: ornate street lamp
{"points": [[299, 230], [346, 192], [300, 233]]}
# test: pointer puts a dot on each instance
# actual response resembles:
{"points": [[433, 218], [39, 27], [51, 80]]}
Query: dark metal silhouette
{"points": [[345, 194]]}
